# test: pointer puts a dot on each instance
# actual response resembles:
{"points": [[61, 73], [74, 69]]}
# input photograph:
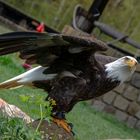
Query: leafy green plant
{"points": [[38, 100], [45, 106], [15, 129]]}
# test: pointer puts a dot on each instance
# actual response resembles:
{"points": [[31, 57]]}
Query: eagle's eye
{"points": [[127, 58]]}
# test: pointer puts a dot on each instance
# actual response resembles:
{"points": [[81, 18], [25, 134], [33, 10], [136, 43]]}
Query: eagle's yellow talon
{"points": [[62, 123]]}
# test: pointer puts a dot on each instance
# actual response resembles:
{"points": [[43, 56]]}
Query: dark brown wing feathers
{"points": [[37, 47], [80, 71], [103, 59]]}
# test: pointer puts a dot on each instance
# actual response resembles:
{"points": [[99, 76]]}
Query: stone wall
{"points": [[123, 101]]}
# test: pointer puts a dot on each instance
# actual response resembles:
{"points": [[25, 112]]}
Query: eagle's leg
{"points": [[63, 124], [59, 119]]}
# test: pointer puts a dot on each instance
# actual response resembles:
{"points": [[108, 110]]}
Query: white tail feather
{"points": [[35, 74]]}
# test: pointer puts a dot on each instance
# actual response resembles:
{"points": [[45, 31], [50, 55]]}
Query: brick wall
{"points": [[123, 101]]}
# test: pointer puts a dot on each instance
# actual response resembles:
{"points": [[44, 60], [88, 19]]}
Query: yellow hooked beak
{"points": [[131, 63]]}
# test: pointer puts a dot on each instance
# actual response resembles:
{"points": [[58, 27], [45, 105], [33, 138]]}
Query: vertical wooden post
{"points": [[94, 13]]}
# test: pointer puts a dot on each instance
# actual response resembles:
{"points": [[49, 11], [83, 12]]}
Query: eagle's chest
{"points": [[99, 86], [108, 85]]}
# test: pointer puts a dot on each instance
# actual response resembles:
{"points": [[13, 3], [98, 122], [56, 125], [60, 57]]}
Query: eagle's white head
{"points": [[121, 69]]}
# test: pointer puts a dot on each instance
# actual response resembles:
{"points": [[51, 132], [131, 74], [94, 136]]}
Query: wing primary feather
{"points": [[29, 40], [87, 41], [9, 50]]}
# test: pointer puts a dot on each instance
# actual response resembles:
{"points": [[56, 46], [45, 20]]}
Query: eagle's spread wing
{"points": [[69, 68], [44, 48]]}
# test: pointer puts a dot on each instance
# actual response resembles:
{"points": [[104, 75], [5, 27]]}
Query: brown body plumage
{"points": [[71, 71]]}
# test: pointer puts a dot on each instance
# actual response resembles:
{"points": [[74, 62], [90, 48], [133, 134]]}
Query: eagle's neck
{"points": [[117, 72]]}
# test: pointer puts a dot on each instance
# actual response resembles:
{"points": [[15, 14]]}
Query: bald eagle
{"points": [[69, 70]]}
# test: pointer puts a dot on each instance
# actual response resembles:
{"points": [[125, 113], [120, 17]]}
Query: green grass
{"points": [[88, 123], [92, 125]]}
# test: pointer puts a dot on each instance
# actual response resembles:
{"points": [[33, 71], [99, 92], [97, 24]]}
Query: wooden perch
{"points": [[51, 131], [13, 111]]}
